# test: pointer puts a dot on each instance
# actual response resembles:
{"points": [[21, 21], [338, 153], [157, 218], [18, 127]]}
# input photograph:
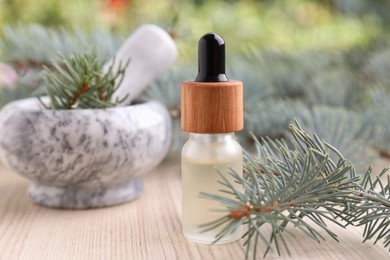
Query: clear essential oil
{"points": [[202, 157]]}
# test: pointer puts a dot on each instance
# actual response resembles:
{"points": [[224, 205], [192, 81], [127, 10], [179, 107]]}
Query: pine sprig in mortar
{"points": [[80, 82], [301, 186]]}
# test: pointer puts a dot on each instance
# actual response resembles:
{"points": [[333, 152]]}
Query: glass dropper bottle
{"points": [[212, 110]]}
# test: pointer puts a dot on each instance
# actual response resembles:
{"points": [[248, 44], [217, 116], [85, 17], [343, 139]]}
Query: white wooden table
{"points": [[147, 228]]}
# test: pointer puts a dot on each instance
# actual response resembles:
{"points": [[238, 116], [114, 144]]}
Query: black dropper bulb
{"points": [[211, 59]]}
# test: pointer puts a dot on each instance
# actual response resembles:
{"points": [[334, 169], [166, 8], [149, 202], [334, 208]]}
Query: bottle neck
{"points": [[212, 138]]}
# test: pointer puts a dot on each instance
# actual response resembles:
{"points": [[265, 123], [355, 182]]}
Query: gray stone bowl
{"points": [[83, 158]]}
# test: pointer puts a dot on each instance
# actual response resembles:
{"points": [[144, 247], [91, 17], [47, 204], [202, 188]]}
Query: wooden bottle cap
{"points": [[212, 107]]}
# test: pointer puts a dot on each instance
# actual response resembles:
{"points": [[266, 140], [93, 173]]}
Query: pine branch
{"points": [[374, 212], [79, 82], [300, 186], [30, 48]]}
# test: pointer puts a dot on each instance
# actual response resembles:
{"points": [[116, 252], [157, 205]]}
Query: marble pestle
{"points": [[151, 51]]}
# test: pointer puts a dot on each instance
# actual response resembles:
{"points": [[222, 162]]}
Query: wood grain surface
{"points": [[147, 228], [212, 107]]}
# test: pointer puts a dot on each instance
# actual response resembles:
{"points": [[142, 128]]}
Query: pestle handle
{"points": [[151, 51]]}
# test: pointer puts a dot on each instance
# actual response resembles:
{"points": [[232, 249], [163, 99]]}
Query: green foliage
{"points": [[377, 114], [326, 91], [378, 8], [30, 48], [34, 45], [301, 186], [300, 24], [80, 82], [377, 66], [335, 88], [279, 85], [167, 90], [272, 116], [321, 89], [7, 95], [374, 211], [328, 71], [343, 128], [50, 11]]}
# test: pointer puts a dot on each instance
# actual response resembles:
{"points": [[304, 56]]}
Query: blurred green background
{"points": [[323, 62], [282, 24]]}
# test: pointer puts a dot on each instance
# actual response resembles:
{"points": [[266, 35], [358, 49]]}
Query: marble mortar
{"points": [[83, 158]]}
